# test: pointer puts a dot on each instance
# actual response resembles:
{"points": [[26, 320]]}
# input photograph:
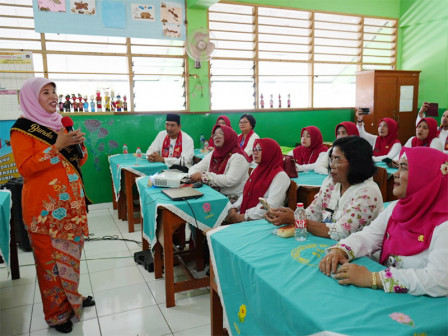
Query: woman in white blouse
{"points": [[226, 167], [385, 145], [246, 139], [348, 199], [412, 233], [268, 180]]}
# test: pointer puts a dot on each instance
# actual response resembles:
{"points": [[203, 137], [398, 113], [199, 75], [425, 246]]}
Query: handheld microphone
{"points": [[67, 122]]}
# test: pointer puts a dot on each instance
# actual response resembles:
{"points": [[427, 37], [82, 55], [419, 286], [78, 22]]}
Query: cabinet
{"points": [[389, 93]]}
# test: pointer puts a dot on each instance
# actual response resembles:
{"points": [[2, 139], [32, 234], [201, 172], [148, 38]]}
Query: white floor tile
{"points": [[16, 296], [27, 276], [15, 321], [98, 265], [158, 291], [105, 248], [87, 328], [146, 321], [204, 330], [100, 206], [123, 299], [121, 277], [188, 313], [25, 258]]}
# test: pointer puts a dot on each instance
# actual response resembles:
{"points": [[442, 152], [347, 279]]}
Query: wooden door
{"points": [[385, 103]]}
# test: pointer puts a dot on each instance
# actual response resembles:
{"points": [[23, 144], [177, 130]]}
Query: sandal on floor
{"points": [[65, 327], [88, 302]]}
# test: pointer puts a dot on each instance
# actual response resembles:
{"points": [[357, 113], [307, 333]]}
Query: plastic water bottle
{"points": [[125, 149], [138, 153], [202, 141], [205, 145], [300, 218]]}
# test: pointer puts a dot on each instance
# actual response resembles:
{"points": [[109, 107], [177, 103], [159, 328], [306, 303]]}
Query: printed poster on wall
{"points": [[51, 5], [171, 18], [142, 12], [83, 7]]}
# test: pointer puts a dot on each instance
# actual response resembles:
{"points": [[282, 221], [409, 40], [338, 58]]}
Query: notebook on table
{"points": [[181, 194]]}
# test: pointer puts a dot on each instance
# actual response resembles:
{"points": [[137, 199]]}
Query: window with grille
{"points": [[280, 58], [151, 73]]}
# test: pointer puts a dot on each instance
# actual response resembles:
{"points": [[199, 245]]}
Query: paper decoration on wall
{"points": [[142, 12], [51, 5], [171, 30], [170, 13], [113, 14], [85, 7]]}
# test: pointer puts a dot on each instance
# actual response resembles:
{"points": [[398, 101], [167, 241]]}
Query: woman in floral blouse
{"points": [[348, 199], [53, 200], [411, 233]]}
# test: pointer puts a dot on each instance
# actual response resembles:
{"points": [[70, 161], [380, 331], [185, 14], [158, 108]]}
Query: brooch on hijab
{"points": [[444, 168], [421, 238]]}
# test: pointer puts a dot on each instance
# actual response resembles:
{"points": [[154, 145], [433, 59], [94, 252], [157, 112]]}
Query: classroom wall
{"points": [[106, 135], [424, 46]]}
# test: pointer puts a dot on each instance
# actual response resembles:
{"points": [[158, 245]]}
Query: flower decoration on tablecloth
{"points": [[207, 207], [242, 313], [402, 318], [444, 168]]}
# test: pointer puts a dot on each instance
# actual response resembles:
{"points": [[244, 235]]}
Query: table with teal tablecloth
{"points": [[119, 161], [199, 154], [5, 216], [205, 212], [272, 286], [309, 178], [389, 170]]}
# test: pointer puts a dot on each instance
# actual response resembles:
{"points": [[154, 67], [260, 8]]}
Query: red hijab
{"points": [[414, 218], [259, 181], [221, 155], [308, 155], [384, 144], [349, 126], [432, 124], [227, 121]]}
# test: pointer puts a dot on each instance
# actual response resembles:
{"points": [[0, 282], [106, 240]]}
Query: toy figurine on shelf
{"points": [[271, 102], [279, 101], [289, 100], [75, 103], [80, 104], [61, 104], [86, 104], [99, 101], [125, 103], [92, 104], [106, 101], [118, 103], [67, 104], [261, 101], [112, 104]]}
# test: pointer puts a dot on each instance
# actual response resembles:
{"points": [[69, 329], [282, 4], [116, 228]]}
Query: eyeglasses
{"points": [[335, 161], [256, 149], [218, 134]]}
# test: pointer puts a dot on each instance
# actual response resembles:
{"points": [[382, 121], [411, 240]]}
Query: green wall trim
{"points": [[201, 3], [106, 135]]}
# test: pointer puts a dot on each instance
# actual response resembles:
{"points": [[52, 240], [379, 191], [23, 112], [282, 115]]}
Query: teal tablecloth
{"points": [[390, 171], [117, 162], [5, 216], [199, 154], [309, 178], [272, 286], [205, 213]]}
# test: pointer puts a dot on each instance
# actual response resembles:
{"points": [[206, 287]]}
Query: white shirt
{"points": [[435, 143], [250, 144], [442, 135], [355, 209], [235, 174], [274, 196], [423, 273], [321, 164], [186, 157], [311, 166], [393, 152]]}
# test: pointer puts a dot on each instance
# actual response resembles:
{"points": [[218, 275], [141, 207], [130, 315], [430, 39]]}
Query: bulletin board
{"points": [[15, 69], [154, 19]]}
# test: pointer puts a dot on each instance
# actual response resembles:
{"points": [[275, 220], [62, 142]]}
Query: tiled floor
{"points": [[129, 301]]}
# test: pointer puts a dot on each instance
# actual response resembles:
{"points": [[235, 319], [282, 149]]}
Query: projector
{"points": [[170, 178]]}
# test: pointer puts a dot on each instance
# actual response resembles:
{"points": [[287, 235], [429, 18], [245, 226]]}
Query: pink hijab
{"points": [[414, 218], [31, 108]]}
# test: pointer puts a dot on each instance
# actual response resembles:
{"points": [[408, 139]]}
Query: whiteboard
{"points": [[15, 69]]}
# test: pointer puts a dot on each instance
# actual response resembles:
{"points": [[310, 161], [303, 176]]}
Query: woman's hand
{"points": [[196, 177], [329, 263], [352, 274], [69, 139], [423, 109], [359, 115], [394, 164], [234, 217], [280, 216]]}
